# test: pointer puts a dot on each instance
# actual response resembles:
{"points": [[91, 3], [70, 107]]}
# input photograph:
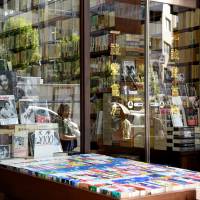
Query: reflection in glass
{"points": [[117, 75], [39, 71]]}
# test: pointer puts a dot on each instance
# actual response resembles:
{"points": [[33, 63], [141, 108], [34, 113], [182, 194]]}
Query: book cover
{"points": [[26, 111], [177, 118], [20, 143], [191, 116], [7, 82], [42, 113], [8, 113], [27, 86]]}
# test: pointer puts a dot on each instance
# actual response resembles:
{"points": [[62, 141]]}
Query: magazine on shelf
{"points": [[27, 86], [26, 111], [128, 71], [20, 142], [182, 90], [8, 113], [176, 116], [42, 113], [7, 82]]}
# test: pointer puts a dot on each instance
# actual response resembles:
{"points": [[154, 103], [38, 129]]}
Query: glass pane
{"points": [[39, 77], [174, 85], [117, 77]]}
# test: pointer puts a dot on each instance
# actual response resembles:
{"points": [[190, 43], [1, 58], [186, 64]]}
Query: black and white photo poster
{"points": [[7, 82], [26, 111], [8, 113]]}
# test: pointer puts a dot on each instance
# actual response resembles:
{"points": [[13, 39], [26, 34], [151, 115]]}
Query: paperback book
{"points": [[20, 142]]}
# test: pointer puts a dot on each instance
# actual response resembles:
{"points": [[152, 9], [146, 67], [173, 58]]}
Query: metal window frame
{"points": [[85, 75]]}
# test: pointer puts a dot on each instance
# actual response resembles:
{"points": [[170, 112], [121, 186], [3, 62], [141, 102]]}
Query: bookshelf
{"points": [[175, 120], [55, 25]]}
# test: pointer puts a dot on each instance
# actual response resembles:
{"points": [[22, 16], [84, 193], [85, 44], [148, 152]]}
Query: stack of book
{"points": [[115, 177], [181, 139]]}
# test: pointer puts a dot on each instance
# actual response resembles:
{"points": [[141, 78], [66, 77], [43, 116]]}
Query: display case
{"points": [[40, 78]]}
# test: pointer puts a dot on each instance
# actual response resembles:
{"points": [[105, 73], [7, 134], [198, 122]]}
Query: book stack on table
{"points": [[116, 177]]}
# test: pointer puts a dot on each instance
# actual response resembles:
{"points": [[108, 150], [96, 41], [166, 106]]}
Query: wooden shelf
{"points": [[187, 29], [102, 31], [187, 47], [100, 53], [186, 64]]}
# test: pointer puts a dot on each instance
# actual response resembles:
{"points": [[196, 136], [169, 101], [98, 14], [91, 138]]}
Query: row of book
{"points": [[187, 38], [115, 177], [156, 43], [189, 19], [100, 43], [195, 71], [21, 141], [103, 20], [130, 40], [188, 55], [66, 5], [99, 64]]}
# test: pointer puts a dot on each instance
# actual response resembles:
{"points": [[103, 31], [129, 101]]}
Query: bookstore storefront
{"points": [[115, 79]]}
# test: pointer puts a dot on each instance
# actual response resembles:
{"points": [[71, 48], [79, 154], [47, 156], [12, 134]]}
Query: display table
{"points": [[105, 177]]}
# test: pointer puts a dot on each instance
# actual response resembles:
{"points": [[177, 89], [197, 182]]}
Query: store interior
{"points": [[141, 59]]}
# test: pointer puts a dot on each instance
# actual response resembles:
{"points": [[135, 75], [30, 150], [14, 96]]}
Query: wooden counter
{"points": [[17, 186]]}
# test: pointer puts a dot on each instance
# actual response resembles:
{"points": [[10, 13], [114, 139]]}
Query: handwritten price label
{"points": [[44, 137]]}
